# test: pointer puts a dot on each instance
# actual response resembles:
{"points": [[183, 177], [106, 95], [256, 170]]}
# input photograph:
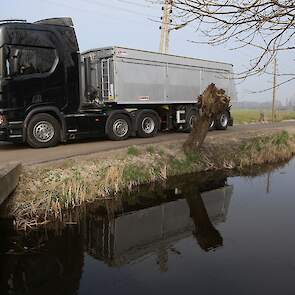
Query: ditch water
{"points": [[208, 234]]}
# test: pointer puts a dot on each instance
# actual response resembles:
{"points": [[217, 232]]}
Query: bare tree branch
{"points": [[268, 26]]}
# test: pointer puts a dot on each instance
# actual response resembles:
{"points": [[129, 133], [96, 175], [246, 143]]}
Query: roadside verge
{"points": [[46, 192]]}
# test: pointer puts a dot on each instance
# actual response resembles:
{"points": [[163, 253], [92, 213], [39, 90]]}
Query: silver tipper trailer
{"points": [[163, 86], [131, 76]]}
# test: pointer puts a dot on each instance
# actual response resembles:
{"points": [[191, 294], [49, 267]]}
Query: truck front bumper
{"points": [[10, 133], [3, 134]]}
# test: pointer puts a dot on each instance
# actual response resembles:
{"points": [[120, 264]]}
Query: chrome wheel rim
{"points": [[223, 120], [148, 125], [43, 131], [211, 124], [120, 128]]}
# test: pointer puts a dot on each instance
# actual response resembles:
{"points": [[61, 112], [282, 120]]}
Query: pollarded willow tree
{"points": [[211, 102]]}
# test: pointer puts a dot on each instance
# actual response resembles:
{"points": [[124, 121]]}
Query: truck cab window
{"points": [[1, 63], [29, 60]]}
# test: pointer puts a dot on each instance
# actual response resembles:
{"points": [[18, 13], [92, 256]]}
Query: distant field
{"points": [[243, 116]]}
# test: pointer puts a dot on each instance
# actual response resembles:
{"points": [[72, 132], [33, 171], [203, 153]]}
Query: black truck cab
{"points": [[40, 83]]}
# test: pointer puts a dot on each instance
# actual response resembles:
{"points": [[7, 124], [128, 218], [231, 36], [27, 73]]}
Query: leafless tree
{"points": [[268, 26]]}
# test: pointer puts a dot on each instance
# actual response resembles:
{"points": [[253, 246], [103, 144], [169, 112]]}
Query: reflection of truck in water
{"points": [[41, 263], [133, 234], [49, 93], [117, 233]]}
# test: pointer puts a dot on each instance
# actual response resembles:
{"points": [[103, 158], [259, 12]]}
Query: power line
{"points": [[119, 8], [134, 3], [85, 9], [61, 4]]}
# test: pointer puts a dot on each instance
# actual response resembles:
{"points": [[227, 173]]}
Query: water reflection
{"points": [[206, 234], [133, 230], [42, 264], [117, 233]]}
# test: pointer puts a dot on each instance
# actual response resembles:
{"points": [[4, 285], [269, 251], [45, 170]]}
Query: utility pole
{"points": [[274, 86], [165, 27]]}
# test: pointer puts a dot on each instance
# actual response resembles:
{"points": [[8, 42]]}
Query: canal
{"points": [[206, 234]]}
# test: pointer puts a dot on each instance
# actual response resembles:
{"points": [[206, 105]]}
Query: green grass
{"points": [[259, 144], [186, 165], [133, 173], [151, 149], [242, 116], [282, 138], [133, 151]]}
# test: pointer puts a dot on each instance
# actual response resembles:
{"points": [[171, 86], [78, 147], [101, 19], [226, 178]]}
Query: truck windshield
{"points": [[1, 63]]}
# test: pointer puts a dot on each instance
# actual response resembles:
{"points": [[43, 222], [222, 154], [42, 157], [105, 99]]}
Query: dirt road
{"points": [[28, 156]]}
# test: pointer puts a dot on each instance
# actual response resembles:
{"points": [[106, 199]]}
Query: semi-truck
{"points": [[51, 93]]}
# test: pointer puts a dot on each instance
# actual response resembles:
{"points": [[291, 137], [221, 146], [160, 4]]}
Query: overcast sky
{"points": [[133, 23]]}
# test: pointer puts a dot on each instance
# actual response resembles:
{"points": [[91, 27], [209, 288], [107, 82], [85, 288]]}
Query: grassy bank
{"points": [[46, 192], [243, 116]]}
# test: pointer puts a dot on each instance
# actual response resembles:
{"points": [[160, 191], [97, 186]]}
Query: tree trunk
{"points": [[198, 135]]}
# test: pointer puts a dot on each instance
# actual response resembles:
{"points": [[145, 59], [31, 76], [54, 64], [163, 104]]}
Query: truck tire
{"points": [[147, 125], [212, 125], [192, 115], [118, 127], [221, 121], [43, 131]]}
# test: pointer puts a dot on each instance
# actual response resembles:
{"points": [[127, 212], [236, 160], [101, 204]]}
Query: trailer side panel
{"points": [[131, 77]]}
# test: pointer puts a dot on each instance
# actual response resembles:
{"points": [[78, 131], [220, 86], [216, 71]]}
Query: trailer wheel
{"points": [[221, 121], [43, 131], [212, 125], [118, 127], [147, 125], [191, 117]]}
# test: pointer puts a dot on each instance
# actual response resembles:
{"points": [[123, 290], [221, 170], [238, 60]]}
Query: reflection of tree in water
{"points": [[206, 234]]}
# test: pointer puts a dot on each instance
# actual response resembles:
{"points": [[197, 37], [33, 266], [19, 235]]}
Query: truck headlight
{"points": [[2, 120]]}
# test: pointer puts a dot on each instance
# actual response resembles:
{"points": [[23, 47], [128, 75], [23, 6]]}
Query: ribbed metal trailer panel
{"points": [[131, 77]]}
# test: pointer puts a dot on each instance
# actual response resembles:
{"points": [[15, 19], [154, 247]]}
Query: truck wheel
{"points": [[147, 125], [221, 121], [43, 131], [191, 117], [212, 125], [118, 127]]}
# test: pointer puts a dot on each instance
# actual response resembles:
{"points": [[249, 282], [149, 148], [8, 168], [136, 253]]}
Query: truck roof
{"points": [[153, 52], [62, 21], [37, 34]]}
